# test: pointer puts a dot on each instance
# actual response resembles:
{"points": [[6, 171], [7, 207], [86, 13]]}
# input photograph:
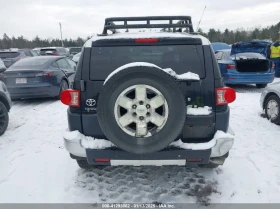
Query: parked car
{"points": [[42, 76], [220, 46], [54, 51], [270, 102], [10, 57], [37, 50], [125, 92], [246, 63], [76, 57], [5, 103], [74, 50]]}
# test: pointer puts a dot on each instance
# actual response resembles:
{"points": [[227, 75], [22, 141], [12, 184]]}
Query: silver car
{"points": [[270, 102]]}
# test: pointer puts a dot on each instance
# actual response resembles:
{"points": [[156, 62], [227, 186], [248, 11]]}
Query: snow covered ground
{"points": [[35, 167]]}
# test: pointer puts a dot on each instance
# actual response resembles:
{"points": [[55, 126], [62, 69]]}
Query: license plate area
{"points": [[171, 156], [21, 80]]}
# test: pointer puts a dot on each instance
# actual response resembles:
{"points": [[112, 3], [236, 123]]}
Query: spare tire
{"points": [[141, 109]]}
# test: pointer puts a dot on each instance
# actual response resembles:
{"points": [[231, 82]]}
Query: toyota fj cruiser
{"points": [[148, 98]]}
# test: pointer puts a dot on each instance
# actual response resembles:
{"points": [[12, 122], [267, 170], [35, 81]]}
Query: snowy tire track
{"points": [[145, 184]]}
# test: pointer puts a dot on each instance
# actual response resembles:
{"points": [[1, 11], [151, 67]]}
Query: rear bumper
{"points": [[249, 78], [33, 91], [169, 156]]}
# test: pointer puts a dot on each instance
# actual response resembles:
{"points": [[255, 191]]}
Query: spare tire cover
{"points": [[141, 109]]}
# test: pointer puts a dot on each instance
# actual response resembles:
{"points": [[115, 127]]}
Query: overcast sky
{"points": [[85, 17]]}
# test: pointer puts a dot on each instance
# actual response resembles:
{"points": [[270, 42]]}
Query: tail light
{"points": [[70, 97], [146, 40], [55, 54], [273, 66], [230, 67], [2, 75], [194, 159], [102, 160], [43, 74], [225, 95]]}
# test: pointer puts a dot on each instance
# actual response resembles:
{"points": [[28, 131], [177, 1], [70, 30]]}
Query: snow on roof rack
{"points": [[181, 22]]}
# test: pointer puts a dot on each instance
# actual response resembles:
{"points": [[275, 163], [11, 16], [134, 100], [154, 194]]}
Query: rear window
{"points": [[31, 62], [77, 50], [43, 51], [180, 58], [248, 55], [28, 53], [4, 55]]}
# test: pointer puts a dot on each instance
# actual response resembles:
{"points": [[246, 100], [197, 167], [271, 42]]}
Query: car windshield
{"points": [[248, 55], [4, 55], [31, 62]]}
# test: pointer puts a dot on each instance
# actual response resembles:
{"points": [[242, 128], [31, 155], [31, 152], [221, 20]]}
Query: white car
{"points": [[76, 57], [270, 102]]}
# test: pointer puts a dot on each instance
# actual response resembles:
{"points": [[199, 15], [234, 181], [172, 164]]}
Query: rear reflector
{"points": [[102, 160], [225, 95], [230, 67], [70, 97], [194, 159], [146, 40], [43, 74]]}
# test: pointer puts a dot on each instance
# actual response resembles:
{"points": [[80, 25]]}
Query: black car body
{"points": [[54, 51], [118, 60], [10, 57], [42, 76]]}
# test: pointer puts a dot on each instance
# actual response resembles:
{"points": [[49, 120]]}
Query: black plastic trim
{"points": [[170, 153], [161, 41]]}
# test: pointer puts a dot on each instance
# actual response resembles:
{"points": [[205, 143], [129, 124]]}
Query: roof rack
{"points": [[181, 22]]}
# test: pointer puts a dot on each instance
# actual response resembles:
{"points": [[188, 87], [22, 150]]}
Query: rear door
{"points": [[65, 67], [72, 69], [182, 58]]}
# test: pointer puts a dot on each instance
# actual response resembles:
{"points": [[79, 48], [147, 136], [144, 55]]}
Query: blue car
{"points": [[220, 46], [246, 63], [38, 77]]}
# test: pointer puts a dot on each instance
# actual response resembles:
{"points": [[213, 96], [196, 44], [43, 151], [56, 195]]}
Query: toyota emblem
{"points": [[90, 102]]}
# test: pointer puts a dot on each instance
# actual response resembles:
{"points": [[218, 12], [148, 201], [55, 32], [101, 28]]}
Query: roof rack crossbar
{"points": [[182, 22]]}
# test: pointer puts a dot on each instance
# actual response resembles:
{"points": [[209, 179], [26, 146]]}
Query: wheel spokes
{"points": [[157, 101], [140, 92], [125, 102], [157, 119], [126, 119], [141, 128]]}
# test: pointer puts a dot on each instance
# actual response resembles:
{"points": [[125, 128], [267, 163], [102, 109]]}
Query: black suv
{"points": [[148, 98]]}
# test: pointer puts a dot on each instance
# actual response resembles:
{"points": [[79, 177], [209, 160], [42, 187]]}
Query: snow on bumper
{"points": [[76, 143], [219, 145]]}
